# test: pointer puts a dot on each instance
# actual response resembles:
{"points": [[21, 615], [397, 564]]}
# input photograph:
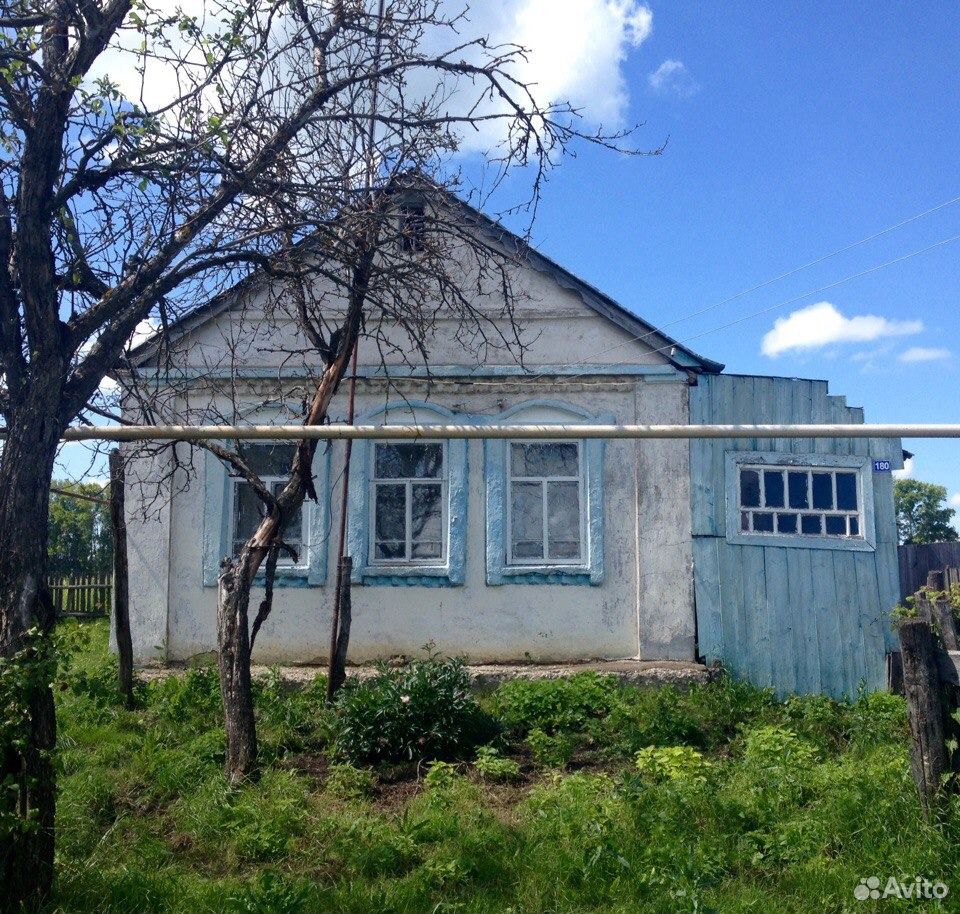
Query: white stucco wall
{"points": [[643, 607]]}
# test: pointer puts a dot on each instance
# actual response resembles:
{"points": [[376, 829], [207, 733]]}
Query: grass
{"points": [[617, 799]]}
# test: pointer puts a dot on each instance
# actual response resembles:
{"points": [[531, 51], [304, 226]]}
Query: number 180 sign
{"points": [[881, 466]]}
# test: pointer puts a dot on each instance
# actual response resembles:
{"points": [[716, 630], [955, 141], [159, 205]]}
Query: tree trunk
{"points": [[233, 645], [236, 577], [121, 590], [26, 468]]}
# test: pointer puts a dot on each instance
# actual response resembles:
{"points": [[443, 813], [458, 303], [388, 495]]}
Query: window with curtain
{"points": [[408, 507], [545, 503]]}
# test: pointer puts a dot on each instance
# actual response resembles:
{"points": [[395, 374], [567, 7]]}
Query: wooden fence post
{"points": [[338, 659], [921, 682], [121, 604]]}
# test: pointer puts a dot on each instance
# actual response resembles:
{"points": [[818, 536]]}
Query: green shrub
{"points": [[773, 748], [423, 710], [271, 891], [551, 750], [704, 716], [665, 764], [492, 766], [440, 776], [191, 701], [555, 705], [291, 718], [348, 782], [878, 717]]}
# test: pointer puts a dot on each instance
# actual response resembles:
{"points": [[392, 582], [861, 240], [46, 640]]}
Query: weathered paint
{"points": [[495, 458], [649, 586], [451, 571], [804, 619]]}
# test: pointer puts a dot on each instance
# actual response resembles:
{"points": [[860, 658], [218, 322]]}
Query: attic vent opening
{"points": [[413, 227]]}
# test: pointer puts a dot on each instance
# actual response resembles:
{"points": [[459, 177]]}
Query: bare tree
{"points": [[116, 206]]}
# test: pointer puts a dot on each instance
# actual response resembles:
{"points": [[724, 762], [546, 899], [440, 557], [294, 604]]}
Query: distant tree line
{"points": [[922, 513], [81, 536]]}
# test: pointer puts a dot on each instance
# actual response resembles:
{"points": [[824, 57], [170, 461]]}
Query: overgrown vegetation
{"points": [[422, 710], [718, 798]]}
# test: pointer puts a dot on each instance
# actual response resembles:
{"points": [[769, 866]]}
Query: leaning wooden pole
{"points": [[121, 589], [340, 636], [921, 682]]}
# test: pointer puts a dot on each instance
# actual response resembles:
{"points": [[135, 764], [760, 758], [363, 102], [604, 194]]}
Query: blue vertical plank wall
{"points": [[796, 619]]}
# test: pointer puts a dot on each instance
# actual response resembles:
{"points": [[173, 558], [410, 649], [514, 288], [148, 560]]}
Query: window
{"points": [[407, 499], [413, 227], [271, 462], [544, 501], [544, 505], [799, 501]]}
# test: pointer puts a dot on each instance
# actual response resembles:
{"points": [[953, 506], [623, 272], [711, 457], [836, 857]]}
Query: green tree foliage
{"points": [[81, 537], [922, 516]]}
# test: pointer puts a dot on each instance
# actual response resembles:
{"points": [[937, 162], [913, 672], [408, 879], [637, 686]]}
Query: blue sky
{"points": [[794, 129]]}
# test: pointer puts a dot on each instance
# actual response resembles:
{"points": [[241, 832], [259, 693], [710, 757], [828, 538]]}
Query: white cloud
{"points": [[923, 354], [907, 471], [575, 52], [823, 324], [673, 78], [577, 49], [955, 499]]}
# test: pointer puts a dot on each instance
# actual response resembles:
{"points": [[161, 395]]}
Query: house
{"points": [[776, 557]]}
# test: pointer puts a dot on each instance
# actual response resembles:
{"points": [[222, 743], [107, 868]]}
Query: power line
{"points": [[817, 291], [762, 285]]}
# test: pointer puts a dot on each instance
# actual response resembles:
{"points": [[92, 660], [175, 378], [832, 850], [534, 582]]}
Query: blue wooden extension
{"points": [[796, 619]]}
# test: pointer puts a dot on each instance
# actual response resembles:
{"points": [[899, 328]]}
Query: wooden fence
{"points": [[930, 650], [916, 562], [86, 597]]}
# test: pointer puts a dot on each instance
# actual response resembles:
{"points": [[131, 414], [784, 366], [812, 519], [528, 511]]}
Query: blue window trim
{"points": [[217, 541], [495, 478], [452, 572], [864, 467]]}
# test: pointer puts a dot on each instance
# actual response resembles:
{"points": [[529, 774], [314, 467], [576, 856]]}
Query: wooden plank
{"points": [[850, 616], [782, 617], [832, 673], [874, 619], [757, 623], [703, 481], [709, 597], [806, 647], [732, 618]]}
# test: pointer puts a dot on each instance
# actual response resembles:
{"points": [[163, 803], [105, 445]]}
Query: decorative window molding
{"points": [[448, 568], [219, 526], [807, 501], [505, 563]]}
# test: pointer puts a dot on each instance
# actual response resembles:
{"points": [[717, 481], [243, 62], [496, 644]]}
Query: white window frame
{"points": [[284, 559], [580, 479], [409, 481], [861, 465], [800, 513]]}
